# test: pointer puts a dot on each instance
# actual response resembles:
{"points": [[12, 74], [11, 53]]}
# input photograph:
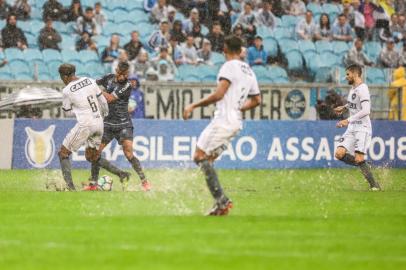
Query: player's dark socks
{"points": [[95, 171], [66, 172], [212, 180], [110, 167], [135, 163], [366, 172], [349, 159]]}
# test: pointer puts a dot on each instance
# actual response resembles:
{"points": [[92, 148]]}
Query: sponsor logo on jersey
{"points": [[295, 104], [40, 146], [80, 85]]}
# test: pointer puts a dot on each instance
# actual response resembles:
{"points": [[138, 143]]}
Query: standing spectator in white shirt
{"points": [[189, 50], [265, 17], [99, 16], [159, 11], [297, 8]]}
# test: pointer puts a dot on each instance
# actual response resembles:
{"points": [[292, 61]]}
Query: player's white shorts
{"points": [[215, 138], [355, 141], [81, 135]]}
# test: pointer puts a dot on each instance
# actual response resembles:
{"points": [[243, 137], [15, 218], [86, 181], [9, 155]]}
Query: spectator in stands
{"points": [[248, 21], [265, 16], [178, 32], [149, 4], [189, 50], [256, 53], [187, 25], [389, 57], [402, 55], [197, 35], [356, 56], [367, 9], [159, 11], [342, 30], [141, 64], [161, 37], [306, 29], [201, 6], [49, 37], [164, 56], [122, 57], [175, 51], [400, 6], [134, 46], [395, 29], [86, 43], [75, 11], [136, 105], [216, 38], [359, 20], [221, 11], [22, 9], [239, 32], [323, 31], [402, 24], [12, 36], [297, 8], [205, 53], [112, 51], [243, 54], [171, 16], [53, 9], [4, 9], [87, 23], [325, 108], [100, 17]]}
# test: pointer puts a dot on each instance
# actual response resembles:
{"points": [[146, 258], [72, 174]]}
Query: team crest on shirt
{"points": [[295, 104], [40, 146], [353, 96]]}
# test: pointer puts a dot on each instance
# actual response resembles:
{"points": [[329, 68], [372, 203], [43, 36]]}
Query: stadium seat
{"points": [[218, 58], [287, 45], [280, 80], [204, 30], [116, 5], [13, 54], [65, 3], [23, 77], [188, 70], [87, 56], [53, 67], [70, 55], [281, 33], [323, 75], [39, 68], [315, 8], [340, 47], [61, 27], [36, 13], [265, 79], [372, 49], [36, 26], [68, 42], [6, 76], [306, 45], [209, 78], [2, 24], [295, 60], [330, 8], [95, 70], [23, 25], [277, 72], [192, 78], [375, 75], [135, 5], [264, 32], [206, 70], [328, 59], [271, 46], [32, 40], [33, 55], [20, 67], [324, 46], [289, 21], [50, 55], [126, 27], [121, 15], [260, 70], [5, 70], [44, 77], [101, 40]]}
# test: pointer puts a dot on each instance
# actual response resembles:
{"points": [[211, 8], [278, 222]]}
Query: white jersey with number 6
{"points": [[243, 83], [80, 97]]}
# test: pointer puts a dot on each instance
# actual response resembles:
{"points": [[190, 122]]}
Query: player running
{"points": [[82, 98], [237, 91], [117, 125], [356, 140]]}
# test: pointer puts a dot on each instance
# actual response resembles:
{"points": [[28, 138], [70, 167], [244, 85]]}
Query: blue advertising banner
{"points": [[170, 144]]}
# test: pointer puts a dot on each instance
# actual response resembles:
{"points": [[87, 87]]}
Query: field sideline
{"points": [[282, 219]]}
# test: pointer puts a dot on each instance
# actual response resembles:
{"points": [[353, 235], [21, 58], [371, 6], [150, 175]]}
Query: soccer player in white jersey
{"points": [[237, 91], [82, 98], [356, 140]]}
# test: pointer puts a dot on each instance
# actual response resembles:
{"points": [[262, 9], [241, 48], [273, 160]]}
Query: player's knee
{"points": [[63, 153], [91, 154], [340, 153], [128, 154], [359, 159]]}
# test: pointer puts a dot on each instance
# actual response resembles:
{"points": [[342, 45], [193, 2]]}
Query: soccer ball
{"points": [[105, 183]]}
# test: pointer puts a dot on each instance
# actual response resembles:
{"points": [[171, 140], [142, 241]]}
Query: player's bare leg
{"points": [[358, 160], [135, 163], [105, 164], [223, 204], [66, 167]]}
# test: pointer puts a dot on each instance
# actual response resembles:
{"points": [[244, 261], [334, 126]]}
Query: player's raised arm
{"points": [[217, 95]]}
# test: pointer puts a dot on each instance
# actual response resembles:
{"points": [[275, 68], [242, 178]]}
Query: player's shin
{"points": [[135, 163], [366, 172], [349, 159], [95, 169], [212, 181], [66, 172]]}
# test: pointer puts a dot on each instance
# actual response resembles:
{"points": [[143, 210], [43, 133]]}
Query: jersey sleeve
{"points": [[124, 92], [364, 95], [96, 88], [254, 90], [102, 81], [66, 103], [226, 73]]}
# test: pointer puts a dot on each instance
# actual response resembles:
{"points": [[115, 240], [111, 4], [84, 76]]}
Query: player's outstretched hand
{"points": [[339, 110], [342, 123], [187, 111]]}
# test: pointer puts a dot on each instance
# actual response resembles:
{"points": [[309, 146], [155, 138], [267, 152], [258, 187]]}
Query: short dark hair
{"points": [[355, 68], [123, 66], [233, 43], [97, 4], [342, 15], [88, 9], [67, 69]]}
